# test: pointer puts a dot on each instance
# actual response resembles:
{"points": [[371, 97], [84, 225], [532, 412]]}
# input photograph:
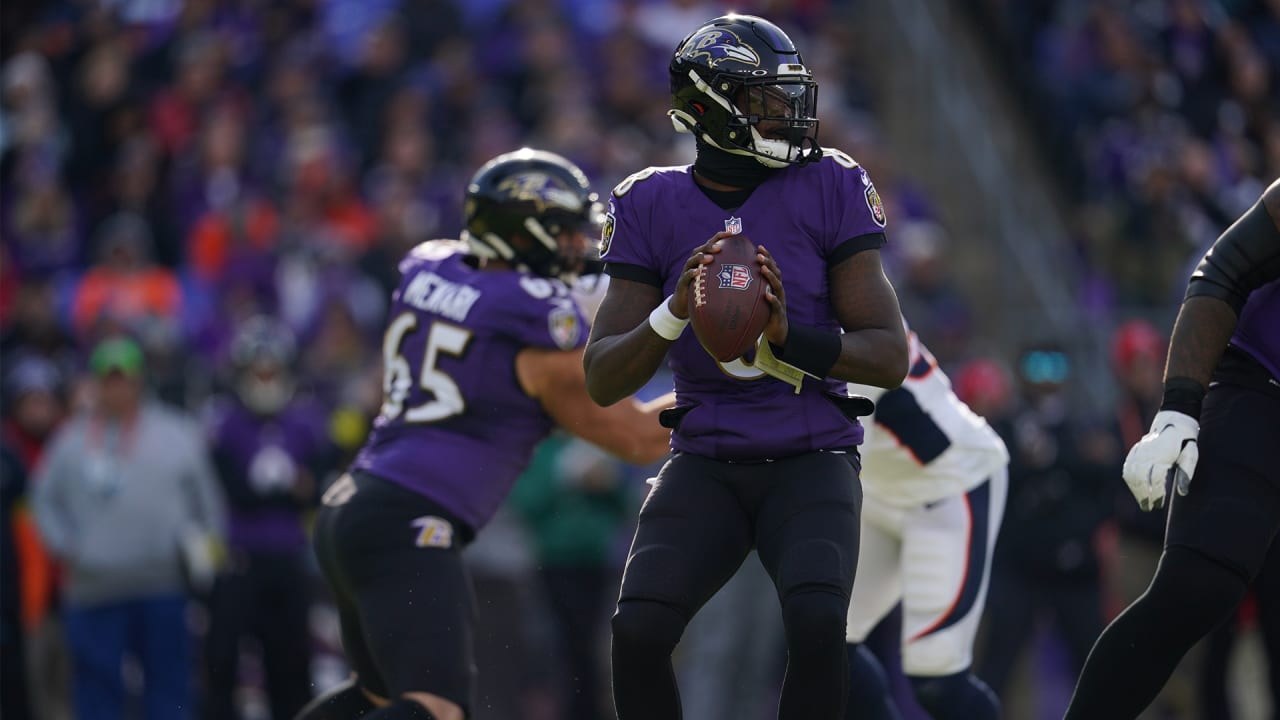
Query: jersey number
{"points": [[397, 377]]}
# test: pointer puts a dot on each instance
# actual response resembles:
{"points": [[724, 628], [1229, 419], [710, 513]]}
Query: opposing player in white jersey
{"points": [[935, 478]]}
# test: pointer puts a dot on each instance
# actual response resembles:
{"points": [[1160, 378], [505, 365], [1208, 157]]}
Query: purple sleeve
{"points": [[621, 239], [853, 207], [542, 314]]}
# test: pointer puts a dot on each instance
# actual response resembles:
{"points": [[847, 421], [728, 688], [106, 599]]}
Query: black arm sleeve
{"points": [[1244, 258], [627, 271]]}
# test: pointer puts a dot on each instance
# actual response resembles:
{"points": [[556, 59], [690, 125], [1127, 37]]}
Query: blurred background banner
{"points": [[187, 173]]}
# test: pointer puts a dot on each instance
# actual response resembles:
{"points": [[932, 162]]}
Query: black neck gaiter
{"points": [[739, 171]]}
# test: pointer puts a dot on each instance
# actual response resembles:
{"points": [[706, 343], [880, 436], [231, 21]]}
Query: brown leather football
{"points": [[727, 307]]}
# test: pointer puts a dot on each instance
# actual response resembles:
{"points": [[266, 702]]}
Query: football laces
{"points": [[700, 286]]}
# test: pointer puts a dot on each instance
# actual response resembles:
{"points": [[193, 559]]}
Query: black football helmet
{"points": [[735, 73], [520, 202], [262, 355]]}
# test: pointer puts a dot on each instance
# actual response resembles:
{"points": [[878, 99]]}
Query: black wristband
{"points": [[813, 351], [1184, 395]]}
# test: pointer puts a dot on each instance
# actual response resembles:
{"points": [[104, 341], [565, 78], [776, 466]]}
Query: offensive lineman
{"points": [[482, 357]]}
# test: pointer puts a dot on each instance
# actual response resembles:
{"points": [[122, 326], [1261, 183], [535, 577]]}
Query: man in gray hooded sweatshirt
{"points": [[126, 498]]}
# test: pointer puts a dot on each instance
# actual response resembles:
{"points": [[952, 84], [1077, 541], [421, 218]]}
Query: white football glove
{"points": [[1168, 449]]}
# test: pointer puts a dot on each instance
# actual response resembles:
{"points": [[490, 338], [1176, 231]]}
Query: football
{"points": [[727, 307]]}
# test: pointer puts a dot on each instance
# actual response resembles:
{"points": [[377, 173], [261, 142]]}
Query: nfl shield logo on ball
{"points": [[733, 225], [735, 277]]}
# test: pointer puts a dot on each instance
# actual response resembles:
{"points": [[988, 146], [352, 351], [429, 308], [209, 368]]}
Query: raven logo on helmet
{"points": [[717, 46], [541, 190]]}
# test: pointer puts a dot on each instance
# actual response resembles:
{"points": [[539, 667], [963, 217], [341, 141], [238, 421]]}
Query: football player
{"points": [[1216, 440], [766, 445], [482, 358], [934, 478]]}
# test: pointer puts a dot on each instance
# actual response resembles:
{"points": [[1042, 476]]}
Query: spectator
{"points": [[928, 293], [1045, 560], [126, 290], [13, 662], [34, 405], [126, 498]]}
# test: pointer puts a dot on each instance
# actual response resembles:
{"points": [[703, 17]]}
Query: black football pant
{"points": [[263, 596], [1218, 537], [700, 521], [1215, 703], [406, 601]]}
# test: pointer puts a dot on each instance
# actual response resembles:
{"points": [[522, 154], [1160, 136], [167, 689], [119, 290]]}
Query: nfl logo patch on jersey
{"points": [[735, 277], [733, 225]]}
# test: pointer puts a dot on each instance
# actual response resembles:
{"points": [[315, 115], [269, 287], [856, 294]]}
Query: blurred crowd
{"points": [[1162, 113], [231, 185]]}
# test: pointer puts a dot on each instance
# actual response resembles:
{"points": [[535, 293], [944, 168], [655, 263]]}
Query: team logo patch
{"points": [[734, 277], [733, 225], [433, 532], [606, 233], [565, 328], [718, 45], [875, 206]]}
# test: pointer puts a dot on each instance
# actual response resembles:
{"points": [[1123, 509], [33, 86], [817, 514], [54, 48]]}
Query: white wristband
{"points": [[664, 322]]}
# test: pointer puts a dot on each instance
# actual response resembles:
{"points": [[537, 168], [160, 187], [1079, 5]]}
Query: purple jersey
{"points": [[802, 215], [1258, 329], [260, 462], [455, 424]]}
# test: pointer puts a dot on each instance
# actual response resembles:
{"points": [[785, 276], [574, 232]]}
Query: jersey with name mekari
{"points": [[801, 214], [923, 443], [455, 424]]}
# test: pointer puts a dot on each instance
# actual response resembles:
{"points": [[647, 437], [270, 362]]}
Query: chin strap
{"points": [[810, 150]]}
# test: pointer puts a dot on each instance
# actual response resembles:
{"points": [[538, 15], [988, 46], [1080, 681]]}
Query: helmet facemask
{"points": [[557, 244]]}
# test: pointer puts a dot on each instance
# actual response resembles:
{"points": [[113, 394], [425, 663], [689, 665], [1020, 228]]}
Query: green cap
{"points": [[120, 354]]}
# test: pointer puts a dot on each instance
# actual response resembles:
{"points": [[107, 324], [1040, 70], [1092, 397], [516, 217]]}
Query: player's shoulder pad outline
{"points": [[875, 206], [841, 158], [629, 181]]}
